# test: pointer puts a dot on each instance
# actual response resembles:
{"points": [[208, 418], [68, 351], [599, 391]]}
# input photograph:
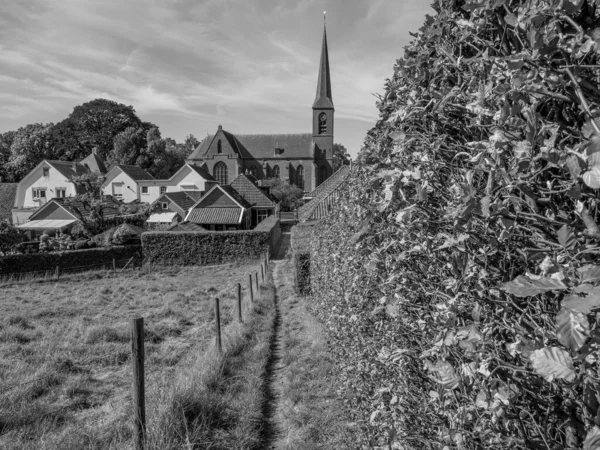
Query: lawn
{"points": [[65, 366]]}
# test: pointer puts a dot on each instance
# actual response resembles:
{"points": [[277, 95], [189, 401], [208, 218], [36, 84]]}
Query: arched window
{"points": [[253, 171], [322, 123], [300, 177], [220, 172], [275, 172], [322, 174], [219, 146]]}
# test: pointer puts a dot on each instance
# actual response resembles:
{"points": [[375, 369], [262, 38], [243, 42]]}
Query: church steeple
{"points": [[324, 100]]}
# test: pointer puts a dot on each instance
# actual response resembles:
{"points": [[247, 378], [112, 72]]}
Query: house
{"points": [[186, 226], [262, 203], [8, 193], [49, 180], [56, 215], [305, 160], [122, 182], [133, 183], [169, 209], [221, 208]]}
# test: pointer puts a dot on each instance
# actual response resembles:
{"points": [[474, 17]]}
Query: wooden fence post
{"points": [[239, 301], [262, 273], [250, 286], [57, 273], [256, 279], [139, 400], [218, 326]]}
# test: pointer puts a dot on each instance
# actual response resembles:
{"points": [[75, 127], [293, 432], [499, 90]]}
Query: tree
{"points": [[29, 146], [341, 156], [289, 195], [190, 143], [6, 140], [9, 237], [90, 205], [128, 146]]}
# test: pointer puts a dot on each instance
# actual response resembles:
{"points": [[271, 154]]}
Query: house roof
{"points": [[202, 172], [69, 169], [224, 216], [8, 192], [260, 146], [251, 193], [135, 173], [111, 209], [235, 195], [95, 163], [181, 199], [164, 217], [196, 195], [186, 226]]}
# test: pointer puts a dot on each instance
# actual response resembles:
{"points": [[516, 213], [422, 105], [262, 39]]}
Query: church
{"points": [[305, 160]]}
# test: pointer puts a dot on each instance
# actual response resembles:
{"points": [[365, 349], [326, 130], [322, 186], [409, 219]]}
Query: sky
{"points": [[189, 65]]}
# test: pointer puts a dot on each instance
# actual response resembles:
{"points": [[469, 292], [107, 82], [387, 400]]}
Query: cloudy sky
{"points": [[189, 65]]}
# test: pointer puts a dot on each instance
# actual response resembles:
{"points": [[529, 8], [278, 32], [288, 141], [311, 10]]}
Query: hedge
{"points": [[302, 273], [187, 248], [40, 262]]}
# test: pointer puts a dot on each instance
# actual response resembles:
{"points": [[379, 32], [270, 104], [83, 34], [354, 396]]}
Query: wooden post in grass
{"points": [[256, 279], [250, 286], [57, 273], [218, 326], [262, 273], [139, 400], [239, 305]]}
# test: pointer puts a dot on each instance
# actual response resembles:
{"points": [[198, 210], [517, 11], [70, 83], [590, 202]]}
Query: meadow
{"points": [[65, 356]]}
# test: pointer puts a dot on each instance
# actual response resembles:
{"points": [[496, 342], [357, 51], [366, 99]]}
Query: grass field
{"points": [[65, 368]]}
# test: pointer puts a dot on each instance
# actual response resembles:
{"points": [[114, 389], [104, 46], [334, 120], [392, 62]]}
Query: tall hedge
{"points": [[207, 247], [460, 280], [41, 262]]}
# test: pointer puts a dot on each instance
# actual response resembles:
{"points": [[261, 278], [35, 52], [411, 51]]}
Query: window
{"points": [[322, 123], [220, 172], [144, 189], [261, 215], [275, 172], [39, 193], [300, 177], [46, 171], [322, 174], [61, 192], [117, 189], [163, 189], [253, 171], [219, 146], [164, 205]]}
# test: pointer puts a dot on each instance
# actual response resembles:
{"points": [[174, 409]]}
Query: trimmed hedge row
{"points": [[40, 262], [302, 273], [187, 248]]}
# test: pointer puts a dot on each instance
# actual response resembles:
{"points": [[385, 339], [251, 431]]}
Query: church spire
{"points": [[324, 100]]}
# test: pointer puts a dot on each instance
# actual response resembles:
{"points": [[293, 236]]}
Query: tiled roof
{"points": [[261, 146], [224, 216], [236, 196], [202, 172], [111, 210], [181, 199], [69, 169], [196, 195], [186, 226], [95, 163], [8, 191], [135, 173], [252, 194]]}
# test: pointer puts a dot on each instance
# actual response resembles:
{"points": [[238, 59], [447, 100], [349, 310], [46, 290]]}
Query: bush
{"points": [[302, 274], [41, 262]]}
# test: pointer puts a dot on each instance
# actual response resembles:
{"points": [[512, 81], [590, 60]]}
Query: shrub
{"points": [[302, 273]]}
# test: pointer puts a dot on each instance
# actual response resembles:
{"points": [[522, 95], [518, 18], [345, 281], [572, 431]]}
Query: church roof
{"points": [[324, 99], [261, 146]]}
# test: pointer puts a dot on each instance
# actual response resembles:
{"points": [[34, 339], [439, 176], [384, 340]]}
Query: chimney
{"points": [[95, 151]]}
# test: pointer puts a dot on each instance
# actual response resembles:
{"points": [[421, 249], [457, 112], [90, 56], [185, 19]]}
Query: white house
{"points": [[123, 182], [48, 180], [133, 183]]}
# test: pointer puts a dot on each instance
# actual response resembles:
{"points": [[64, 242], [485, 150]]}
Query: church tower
{"points": [[323, 119]]}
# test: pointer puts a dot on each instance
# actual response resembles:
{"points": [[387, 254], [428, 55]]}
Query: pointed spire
{"points": [[324, 98]]}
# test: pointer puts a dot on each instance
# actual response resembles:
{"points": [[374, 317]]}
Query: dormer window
{"points": [[322, 123], [164, 205], [46, 171], [278, 151], [219, 147]]}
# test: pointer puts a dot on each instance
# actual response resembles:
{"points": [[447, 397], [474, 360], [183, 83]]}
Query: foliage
{"points": [[190, 248], [28, 146], [128, 145], [289, 195], [9, 237], [89, 205], [302, 273], [48, 261], [341, 156], [463, 297]]}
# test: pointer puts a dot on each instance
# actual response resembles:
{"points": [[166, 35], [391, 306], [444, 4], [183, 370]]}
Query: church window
{"points": [[220, 172], [300, 177], [275, 171], [322, 174], [219, 146], [322, 123]]}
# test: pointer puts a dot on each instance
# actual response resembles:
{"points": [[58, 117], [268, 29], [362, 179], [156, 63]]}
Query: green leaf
{"points": [[582, 304], [443, 373], [566, 237], [589, 273], [592, 177], [592, 440], [553, 362], [573, 166], [573, 328], [523, 286]]}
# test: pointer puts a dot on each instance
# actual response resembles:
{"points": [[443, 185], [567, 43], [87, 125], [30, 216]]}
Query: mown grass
{"points": [[65, 375]]}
